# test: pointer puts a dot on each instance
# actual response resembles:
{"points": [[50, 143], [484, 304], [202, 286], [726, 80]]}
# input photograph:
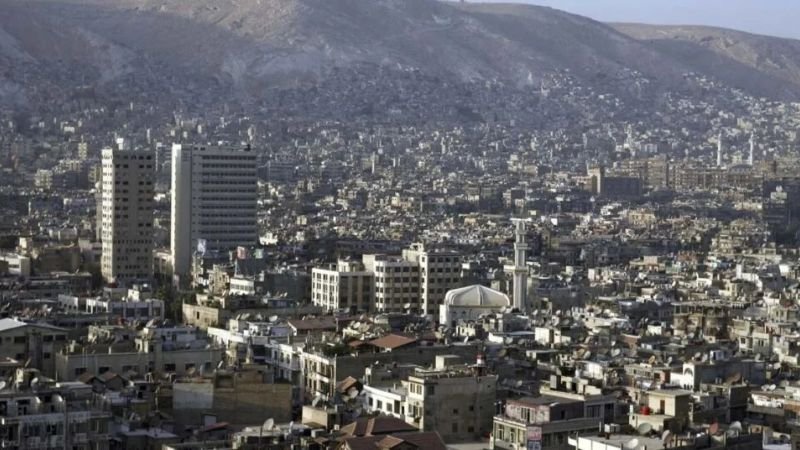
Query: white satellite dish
{"points": [[34, 382], [2, 385], [352, 392], [632, 444], [268, 424], [644, 429], [736, 426], [273, 319], [666, 436]]}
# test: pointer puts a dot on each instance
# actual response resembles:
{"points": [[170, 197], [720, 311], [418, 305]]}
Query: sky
{"points": [[770, 17]]}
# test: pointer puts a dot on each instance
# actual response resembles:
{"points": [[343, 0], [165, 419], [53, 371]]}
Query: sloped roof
{"points": [[392, 341], [380, 425], [11, 324], [421, 440]]}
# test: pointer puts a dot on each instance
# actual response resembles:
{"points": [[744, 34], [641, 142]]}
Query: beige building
{"points": [[127, 215], [36, 342], [244, 397], [396, 283], [458, 402], [439, 272], [666, 409], [347, 286]]}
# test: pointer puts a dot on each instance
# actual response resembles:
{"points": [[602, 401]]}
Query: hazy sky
{"points": [[772, 17]]}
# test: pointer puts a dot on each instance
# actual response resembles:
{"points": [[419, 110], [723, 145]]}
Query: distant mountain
{"points": [[738, 58], [248, 45]]}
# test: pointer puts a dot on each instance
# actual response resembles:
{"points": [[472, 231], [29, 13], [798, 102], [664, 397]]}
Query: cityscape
{"points": [[394, 225]]}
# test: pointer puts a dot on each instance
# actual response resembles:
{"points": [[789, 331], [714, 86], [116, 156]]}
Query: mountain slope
{"points": [[249, 45], [733, 56]]}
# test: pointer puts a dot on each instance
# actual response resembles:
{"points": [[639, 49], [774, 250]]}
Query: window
{"points": [[455, 427], [169, 367]]}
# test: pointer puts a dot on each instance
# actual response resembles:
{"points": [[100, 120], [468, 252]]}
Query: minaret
{"points": [[752, 149], [520, 268], [719, 150]]}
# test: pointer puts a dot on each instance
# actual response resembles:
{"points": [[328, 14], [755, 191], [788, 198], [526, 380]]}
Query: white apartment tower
{"points": [[214, 195], [126, 220]]}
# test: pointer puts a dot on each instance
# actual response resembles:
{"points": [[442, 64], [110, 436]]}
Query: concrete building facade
{"points": [[214, 190], [127, 215]]}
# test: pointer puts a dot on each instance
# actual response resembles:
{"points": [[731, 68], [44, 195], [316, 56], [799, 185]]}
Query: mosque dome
{"points": [[477, 296]]}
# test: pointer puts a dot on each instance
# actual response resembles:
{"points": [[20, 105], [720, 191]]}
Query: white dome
{"points": [[476, 295]]}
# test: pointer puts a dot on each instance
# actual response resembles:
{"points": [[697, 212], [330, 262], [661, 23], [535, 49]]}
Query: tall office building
{"points": [[214, 194], [126, 220]]}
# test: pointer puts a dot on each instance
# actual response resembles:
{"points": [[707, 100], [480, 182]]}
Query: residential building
{"points": [[127, 215], [346, 287], [439, 272]]}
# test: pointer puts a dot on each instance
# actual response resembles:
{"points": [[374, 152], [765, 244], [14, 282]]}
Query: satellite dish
{"points": [[273, 319], [736, 426], [268, 424], [2, 385], [666, 436], [34, 382], [191, 371], [632, 444], [352, 392], [644, 429], [772, 387], [315, 402]]}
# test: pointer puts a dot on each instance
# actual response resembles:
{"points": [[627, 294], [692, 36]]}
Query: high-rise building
{"points": [[127, 215], [439, 272], [214, 194]]}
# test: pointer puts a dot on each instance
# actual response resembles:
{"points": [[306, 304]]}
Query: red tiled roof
{"points": [[392, 341]]}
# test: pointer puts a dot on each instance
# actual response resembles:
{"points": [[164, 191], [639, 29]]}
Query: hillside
{"points": [[249, 45]]}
